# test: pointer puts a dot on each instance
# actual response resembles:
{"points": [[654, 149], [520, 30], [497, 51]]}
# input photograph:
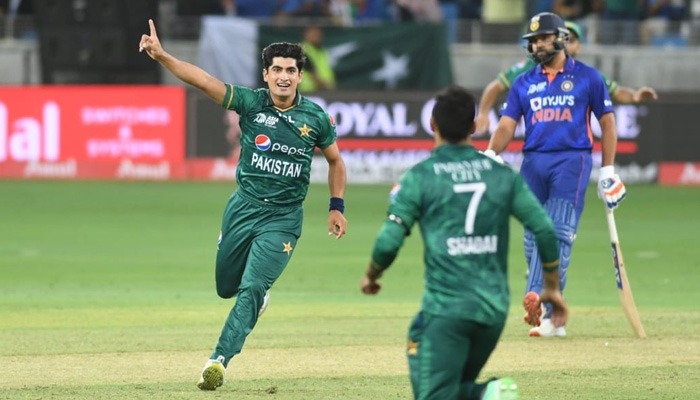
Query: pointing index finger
{"points": [[153, 27]]}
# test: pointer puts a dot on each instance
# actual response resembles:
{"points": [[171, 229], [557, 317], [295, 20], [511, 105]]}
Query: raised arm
{"points": [[186, 72]]}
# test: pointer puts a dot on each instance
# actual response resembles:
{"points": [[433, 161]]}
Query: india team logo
{"points": [[567, 86], [534, 24], [262, 142]]}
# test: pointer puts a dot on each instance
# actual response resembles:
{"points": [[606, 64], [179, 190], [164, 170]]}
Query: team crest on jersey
{"points": [[567, 86], [536, 104], [394, 191], [304, 130], [262, 142]]}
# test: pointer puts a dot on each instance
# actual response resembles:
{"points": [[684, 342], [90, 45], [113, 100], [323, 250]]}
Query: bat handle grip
{"points": [[612, 227]]}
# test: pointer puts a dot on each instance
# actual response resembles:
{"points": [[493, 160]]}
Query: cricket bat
{"points": [[623, 284]]}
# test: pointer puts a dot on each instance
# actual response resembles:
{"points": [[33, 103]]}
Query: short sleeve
{"points": [[405, 199], [512, 107], [238, 98], [327, 135], [599, 98]]}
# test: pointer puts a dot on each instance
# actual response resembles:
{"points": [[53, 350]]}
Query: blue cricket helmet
{"points": [[547, 23]]}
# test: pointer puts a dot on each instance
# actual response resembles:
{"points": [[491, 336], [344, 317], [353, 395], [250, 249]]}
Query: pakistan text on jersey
{"points": [[463, 171], [465, 245], [277, 167]]}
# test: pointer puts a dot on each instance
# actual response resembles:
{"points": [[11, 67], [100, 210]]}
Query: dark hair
{"points": [[453, 113], [284, 50]]}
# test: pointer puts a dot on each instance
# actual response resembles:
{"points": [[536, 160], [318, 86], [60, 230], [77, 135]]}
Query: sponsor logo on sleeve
{"points": [[394, 191]]}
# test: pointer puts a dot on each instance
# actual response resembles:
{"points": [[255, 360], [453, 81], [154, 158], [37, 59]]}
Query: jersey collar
{"points": [[451, 147], [296, 102], [568, 65]]}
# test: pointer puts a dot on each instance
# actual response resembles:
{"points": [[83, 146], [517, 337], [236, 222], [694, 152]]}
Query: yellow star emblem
{"points": [[287, 247], [305, 130]]}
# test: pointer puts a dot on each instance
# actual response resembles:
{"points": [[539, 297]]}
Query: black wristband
{"points": [[337, 204]]}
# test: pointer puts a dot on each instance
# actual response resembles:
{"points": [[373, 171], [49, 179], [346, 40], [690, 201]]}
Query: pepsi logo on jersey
{"points": [[264, 143]]}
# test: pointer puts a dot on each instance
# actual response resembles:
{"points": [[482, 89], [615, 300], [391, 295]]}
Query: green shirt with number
{"points": [[463, 201], [277, 145], [508, 77]]}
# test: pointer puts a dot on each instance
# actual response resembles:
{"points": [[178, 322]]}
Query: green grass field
{"points": [[107, 292]]}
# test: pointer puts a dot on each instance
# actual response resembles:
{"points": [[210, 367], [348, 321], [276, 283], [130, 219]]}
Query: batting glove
{"points": [[492, 155], [610, 188]]}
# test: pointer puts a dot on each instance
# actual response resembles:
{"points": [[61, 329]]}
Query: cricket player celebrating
{"points": [[463, 201], [556, 98], [263, 218]]}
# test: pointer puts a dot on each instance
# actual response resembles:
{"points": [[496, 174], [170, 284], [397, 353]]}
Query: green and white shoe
{"points": [[212, 375], [501, 389]]}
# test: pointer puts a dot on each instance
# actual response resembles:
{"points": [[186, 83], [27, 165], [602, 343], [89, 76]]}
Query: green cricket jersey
{"points": [[508, 77], [463, 201], [277, 145]]}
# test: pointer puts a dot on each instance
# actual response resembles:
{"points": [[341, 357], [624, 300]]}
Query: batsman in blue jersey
{"points": [[556, 99]]}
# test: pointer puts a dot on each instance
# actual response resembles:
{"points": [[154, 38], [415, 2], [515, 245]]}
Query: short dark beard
{"points": [[549, 56]]}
